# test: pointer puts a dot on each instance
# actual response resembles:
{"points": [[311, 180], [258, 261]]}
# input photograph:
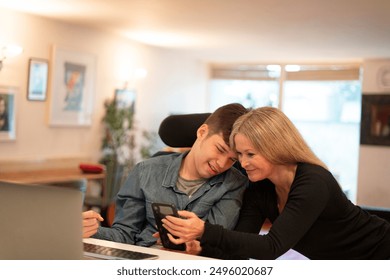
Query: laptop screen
{"points": [[40, 222]]}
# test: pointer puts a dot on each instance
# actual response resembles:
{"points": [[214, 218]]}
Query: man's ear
{"points": [[202, 131]]}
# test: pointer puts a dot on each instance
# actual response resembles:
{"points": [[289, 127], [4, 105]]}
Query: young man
{"points": [[201, 181]]}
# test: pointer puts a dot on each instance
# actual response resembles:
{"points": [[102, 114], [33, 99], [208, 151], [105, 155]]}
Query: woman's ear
{"points": [[202, 131]]}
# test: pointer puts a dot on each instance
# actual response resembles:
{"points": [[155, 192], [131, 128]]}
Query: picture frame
{"points": [[125, 99], [7, 113], [38, 70], [375, 121], [72, 87]]}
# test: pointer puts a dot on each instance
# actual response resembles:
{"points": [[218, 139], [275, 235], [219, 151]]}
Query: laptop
{"points": [[45, 223], [40, 222]]}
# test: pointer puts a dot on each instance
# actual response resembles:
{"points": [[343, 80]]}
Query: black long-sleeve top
{"points": [[318, 221]]}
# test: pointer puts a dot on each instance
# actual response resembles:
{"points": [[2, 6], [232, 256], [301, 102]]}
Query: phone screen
{"points": [[166, 210], [160, 210]]}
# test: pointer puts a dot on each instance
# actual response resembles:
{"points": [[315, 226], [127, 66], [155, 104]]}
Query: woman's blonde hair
{"points": [[274, 136]]}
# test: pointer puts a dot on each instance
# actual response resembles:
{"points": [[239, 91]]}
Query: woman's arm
{"points": [[259, 203], [189, 230], [251, 216], [306, 202]]}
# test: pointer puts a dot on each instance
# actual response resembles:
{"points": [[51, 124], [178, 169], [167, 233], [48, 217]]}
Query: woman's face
{"points": [[256, 166]]}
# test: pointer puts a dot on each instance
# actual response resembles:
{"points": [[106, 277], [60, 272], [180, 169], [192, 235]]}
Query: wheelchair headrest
{"points": [[179, 131]]}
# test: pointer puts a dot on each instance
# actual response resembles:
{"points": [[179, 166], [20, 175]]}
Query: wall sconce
{"points": [[9, 51]]}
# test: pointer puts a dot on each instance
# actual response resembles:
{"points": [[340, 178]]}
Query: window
{"points": [[252, 86], [323, 102]]}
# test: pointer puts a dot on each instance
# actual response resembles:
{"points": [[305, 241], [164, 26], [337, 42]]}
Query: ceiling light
{"points": [[273, 68], [292, 68]]}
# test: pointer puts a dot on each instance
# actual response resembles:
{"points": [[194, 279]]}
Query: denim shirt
{"points": [[218, 201]]}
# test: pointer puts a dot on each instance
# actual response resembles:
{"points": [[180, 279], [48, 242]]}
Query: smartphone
{"points": [[160, 210]]}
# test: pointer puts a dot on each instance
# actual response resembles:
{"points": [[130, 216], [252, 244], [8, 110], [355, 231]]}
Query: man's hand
{"points": [[91, 223], [157, 236]]}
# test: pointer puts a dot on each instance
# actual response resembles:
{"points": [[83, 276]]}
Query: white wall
{"points": [[175, 83], [374, 161]]}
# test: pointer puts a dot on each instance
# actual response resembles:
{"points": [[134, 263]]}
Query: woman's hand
{"points": [[187, 228], [193, 247], [91, 223]]}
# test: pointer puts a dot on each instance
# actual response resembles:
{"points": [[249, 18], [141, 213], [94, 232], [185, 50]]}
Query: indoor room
{"points": [[85, 85]]}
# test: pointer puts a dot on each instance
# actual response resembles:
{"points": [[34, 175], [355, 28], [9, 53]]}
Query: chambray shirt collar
{"points": [[172, 173]]}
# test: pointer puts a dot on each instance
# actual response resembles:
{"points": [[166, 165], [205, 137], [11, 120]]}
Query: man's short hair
{"points": [[222, 120]]}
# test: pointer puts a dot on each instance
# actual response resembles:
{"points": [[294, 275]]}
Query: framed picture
{"points": [[38, 70], [125, 99], [375, 122], [7, 113], [72, 88]]}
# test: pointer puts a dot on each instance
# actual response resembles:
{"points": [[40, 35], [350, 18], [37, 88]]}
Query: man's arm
{"points": [[129, 213]]}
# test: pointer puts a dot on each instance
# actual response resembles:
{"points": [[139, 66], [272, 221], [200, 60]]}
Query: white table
{"points": [[162, 253]]}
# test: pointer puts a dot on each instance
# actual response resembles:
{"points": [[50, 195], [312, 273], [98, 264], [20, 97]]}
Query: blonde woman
{"points": [[295, 191]]}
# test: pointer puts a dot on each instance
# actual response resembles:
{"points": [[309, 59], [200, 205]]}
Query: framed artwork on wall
{"points": [[7, 113], [38, 70], [383, 77], [125, 99], [72, 87], [375, 122]]}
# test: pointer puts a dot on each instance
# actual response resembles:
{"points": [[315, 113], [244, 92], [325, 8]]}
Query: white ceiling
{"points": [[237, 30]]}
